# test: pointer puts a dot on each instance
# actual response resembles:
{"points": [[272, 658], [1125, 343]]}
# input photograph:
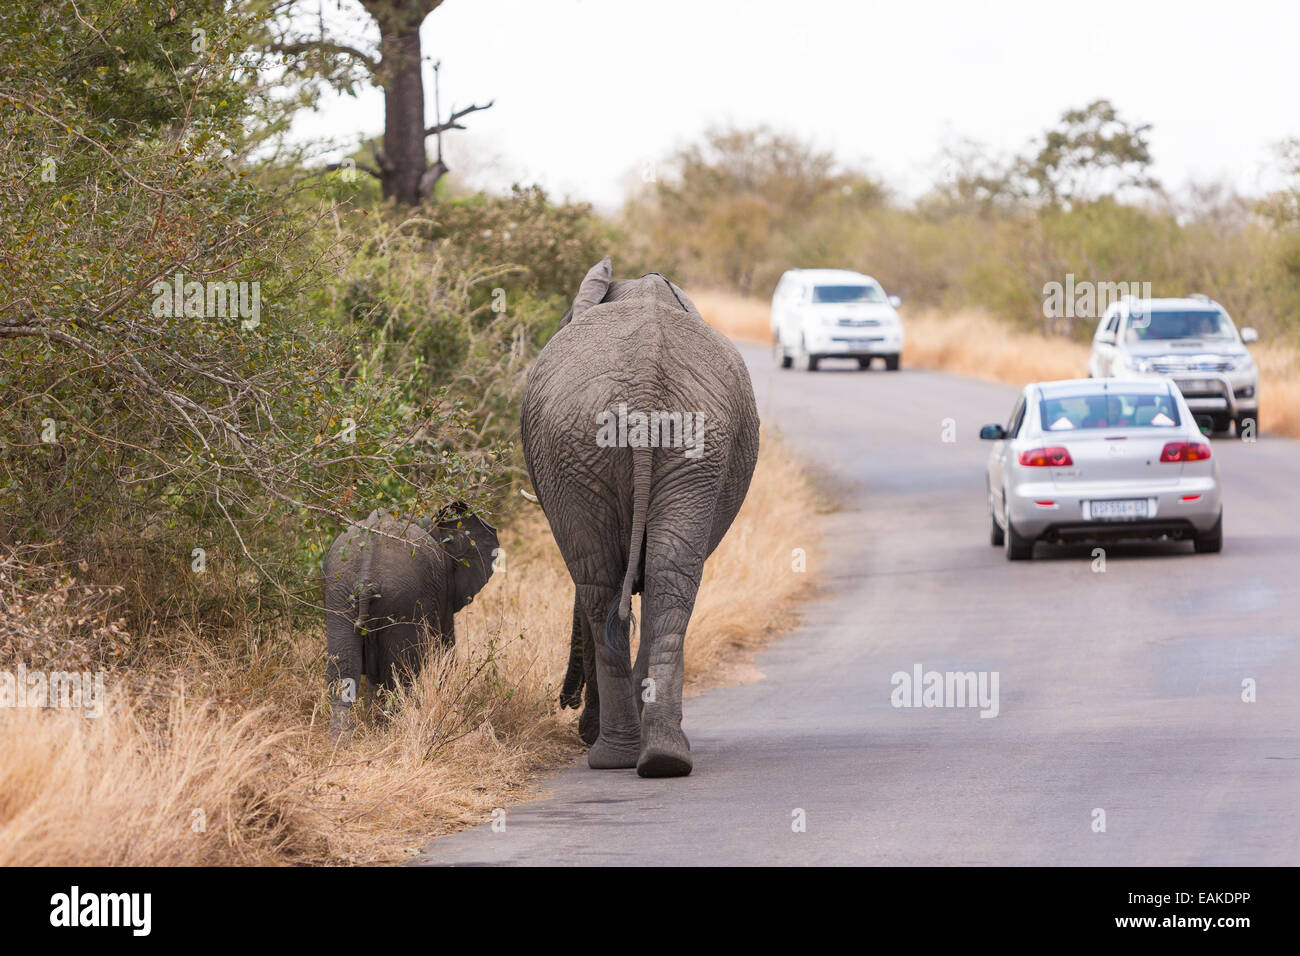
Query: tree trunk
{"points": [[405, 160]]}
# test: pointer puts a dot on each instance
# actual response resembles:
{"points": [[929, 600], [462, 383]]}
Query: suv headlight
{"points": [[1137, 364]]}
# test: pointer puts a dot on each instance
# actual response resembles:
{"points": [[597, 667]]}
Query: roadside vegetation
{"points": [[970, 258], [739, 208]]}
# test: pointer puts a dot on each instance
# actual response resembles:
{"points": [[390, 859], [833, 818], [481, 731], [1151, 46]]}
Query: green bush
{"points": [[166, 443]]}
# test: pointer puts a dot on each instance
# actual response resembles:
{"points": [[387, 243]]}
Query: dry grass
{"points": [[970, 342], [973, 343], [221, 757], [1279, 388]]}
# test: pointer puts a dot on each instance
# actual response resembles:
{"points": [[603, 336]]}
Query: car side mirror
{"points": [[1249, 335], [993, 432], [895, 301]]}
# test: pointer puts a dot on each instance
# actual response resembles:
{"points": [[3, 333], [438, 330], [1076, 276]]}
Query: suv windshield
{"points": [[1201, 324], [847, 293], [1112, 410]]}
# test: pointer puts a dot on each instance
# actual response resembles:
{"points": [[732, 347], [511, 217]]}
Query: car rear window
{"points": [[847, 293], [1109, 410]]}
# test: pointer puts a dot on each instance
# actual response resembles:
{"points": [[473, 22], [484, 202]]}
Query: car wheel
{"points": [[804, 361], [1016, 547], [778, 353], [864, 363], [996, 537], [1244, 421], [1211, 542], [891, 363]]}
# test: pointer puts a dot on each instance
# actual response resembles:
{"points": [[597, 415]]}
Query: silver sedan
{"points": [[1101, 459]]}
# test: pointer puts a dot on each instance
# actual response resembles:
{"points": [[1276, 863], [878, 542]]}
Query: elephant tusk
{"points": [[527, 495]]}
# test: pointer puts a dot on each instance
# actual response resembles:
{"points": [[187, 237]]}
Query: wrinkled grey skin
{"points": [[635, 519], [392, 587]]}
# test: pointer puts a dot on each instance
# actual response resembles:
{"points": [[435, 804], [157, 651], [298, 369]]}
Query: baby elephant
{"points": [[392, 586]]}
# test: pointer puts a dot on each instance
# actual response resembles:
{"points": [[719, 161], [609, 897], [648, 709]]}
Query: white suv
{"points": [[1191, 341], [832, 313]]}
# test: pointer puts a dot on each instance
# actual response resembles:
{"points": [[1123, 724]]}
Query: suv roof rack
{"points": [[1199, 296]]}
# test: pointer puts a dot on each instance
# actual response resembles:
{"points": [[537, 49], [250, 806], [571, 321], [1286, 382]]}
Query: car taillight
{"points": [[1185, 451], [1054, 457]]}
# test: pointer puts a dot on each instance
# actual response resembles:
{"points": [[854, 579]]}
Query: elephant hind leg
{"points": [[589, 722], [343, 670], [618, 742], [582, 672], [672, 582], [665, 751], [400, 649]]}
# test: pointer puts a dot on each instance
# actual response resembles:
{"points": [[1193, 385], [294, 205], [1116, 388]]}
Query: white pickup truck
{"points": [[833, 313]]}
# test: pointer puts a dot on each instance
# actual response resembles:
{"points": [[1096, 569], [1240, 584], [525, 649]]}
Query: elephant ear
{"points": [[682, 297], [591, 292], [471, 545]]}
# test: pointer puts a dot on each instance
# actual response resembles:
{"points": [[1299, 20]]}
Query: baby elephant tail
{"points": [[365, 591]]}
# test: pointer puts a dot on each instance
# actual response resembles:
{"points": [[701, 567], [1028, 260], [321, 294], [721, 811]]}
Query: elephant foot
{"points": [[589, 725], [608, 755], [665, 753]]}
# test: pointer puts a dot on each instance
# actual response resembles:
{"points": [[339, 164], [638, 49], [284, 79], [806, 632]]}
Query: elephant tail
{"points": [[641, 458], [364, 592]]}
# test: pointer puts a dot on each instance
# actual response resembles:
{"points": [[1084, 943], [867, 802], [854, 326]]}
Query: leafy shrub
{"points": [[150, 435]]}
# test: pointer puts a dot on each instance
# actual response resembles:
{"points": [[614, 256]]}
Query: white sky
{"points": [[590, 91]]}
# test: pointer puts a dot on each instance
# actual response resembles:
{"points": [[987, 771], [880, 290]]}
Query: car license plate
{"points": [[1119, 510], [1197, 385]]}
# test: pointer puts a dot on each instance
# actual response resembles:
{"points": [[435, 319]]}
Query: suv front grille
{"points": [[1168, 368]]}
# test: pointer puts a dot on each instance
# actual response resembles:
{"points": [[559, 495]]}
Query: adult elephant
{"points": [[392, 586], [640, 433]]}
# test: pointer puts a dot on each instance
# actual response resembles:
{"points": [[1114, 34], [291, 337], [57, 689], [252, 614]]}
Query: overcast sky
{"points": [[590, 91]]}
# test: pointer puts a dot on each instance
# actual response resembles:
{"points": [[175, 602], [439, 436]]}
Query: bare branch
{"points": [[455, 117], [361, 166]]}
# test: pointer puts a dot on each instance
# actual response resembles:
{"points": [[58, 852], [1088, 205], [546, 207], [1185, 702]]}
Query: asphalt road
{"points": [[1118, 691]]}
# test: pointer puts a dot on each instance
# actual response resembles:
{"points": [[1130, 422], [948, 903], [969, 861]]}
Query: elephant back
{"points": [[641, 346], [381, 549], [644, 349]]}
